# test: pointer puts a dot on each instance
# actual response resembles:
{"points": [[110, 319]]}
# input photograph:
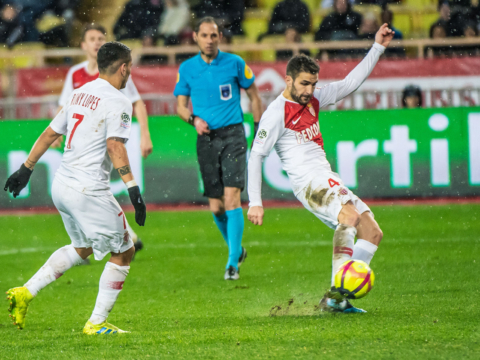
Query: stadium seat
{"points": [[20, 61]]}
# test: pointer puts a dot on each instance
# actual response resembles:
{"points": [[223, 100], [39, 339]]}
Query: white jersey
{"points": [[294, 130], [78, 76], [92, 114]]}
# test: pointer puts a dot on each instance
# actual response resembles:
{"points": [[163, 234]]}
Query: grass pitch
{"points": [[177, 305]]}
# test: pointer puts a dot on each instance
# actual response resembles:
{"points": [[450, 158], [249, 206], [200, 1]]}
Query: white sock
{"points": [[364, 250], [343, 240], [111, 283], [59, 262]]}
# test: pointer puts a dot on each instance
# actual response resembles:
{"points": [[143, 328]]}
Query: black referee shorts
{"points": [[222, 158]]}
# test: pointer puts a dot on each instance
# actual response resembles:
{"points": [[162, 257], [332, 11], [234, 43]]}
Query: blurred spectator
{"points": [[291, 36], [453, 22], [174, 19], [342, 24], [469, 31], [438, 31], [288, 14], [369, 27], [412, 97], [228, 13], [140, 19], [18, 19], [386, 16]]}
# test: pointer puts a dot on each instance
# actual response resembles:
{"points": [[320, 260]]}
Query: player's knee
{"points": [[377, 236]]}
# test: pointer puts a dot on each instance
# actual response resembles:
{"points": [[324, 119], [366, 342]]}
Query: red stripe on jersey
{"points": [[303, 119], [81, 77]]}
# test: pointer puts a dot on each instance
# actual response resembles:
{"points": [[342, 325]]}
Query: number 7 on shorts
{"points": [[79, 118]]}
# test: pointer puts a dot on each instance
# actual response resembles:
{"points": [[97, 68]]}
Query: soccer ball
{"points": [[354, 279]]}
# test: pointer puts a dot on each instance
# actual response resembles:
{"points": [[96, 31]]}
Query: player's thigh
{"points": [[208, 153], [63, 197], [325, 196], [103, 222], [234, 157], [368, 228]]}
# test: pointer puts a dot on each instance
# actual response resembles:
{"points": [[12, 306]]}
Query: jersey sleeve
{"points": [[182, 87], [336, 91], [118, 118], [271, 128], [67, 89], [245, 74], [131, 91], [60, 122]]}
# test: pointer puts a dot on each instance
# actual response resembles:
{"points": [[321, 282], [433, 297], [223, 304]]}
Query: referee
{"points": [[213, 80]]}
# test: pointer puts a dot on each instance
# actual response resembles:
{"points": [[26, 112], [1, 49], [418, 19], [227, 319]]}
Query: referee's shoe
{"points": [[232, 273]]}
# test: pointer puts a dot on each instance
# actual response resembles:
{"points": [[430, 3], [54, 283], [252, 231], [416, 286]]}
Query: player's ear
{"points": [[289, 81], [194, 35]]}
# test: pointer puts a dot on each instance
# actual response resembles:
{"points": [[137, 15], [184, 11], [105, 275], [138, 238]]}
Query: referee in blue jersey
{"points": [[213, 79]]}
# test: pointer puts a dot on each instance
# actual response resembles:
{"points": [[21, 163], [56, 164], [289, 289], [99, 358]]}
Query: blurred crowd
{"points": [[169, 23]]}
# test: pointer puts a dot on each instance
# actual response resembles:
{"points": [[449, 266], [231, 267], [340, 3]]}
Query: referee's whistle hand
{"points": [[201, 126], [255, 215]]}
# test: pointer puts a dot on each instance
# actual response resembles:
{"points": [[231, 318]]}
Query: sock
{"points": [[56, 265], [132, 233], [343, 240], [235, 226], [364, 250], [111, 283], [221, 222]]}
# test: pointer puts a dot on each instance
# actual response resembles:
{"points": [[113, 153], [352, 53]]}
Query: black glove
{"points": [[138, 204], [18, 180]]}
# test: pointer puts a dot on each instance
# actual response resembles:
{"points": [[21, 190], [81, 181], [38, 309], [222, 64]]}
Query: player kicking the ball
{"points": [[96, 121], [290, 124]]}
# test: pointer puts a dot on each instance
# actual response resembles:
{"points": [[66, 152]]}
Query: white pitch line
{"points": [[186, 246]]}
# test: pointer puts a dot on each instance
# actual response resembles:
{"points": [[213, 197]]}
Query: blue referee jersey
{"points": [[215, 88]]}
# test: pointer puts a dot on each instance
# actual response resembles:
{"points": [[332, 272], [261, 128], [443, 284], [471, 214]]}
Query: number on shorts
{"points": [[79, 117], [332, 183]]}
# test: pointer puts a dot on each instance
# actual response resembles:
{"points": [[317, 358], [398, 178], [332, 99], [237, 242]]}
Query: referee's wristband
{"points": [[131, 183], [191, 119]]}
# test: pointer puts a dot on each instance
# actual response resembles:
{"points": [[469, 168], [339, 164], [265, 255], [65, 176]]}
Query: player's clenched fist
{"points": [[255, 215], [384, 35], [138, 204], [18, 180]]}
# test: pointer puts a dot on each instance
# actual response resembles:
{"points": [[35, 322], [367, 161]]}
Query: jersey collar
{"points": [[214, 61]]}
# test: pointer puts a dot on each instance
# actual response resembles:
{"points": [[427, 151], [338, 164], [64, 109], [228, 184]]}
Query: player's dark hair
{"points": [[302, 63], [89, 27], [208, 20], [111, 56]]}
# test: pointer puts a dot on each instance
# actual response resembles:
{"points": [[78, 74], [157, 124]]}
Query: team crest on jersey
{"points": [[125, 121], [226, 92], [311, 109]]}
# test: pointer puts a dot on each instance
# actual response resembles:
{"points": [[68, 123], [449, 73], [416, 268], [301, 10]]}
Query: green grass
{"points": [[177, 305]]}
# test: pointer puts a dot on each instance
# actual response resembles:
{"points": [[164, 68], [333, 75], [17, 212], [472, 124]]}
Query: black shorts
{"points": [[222, 156]]}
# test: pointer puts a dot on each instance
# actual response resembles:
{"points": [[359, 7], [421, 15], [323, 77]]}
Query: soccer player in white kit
{"points": [[94, 36], [96, 121], [290, 124]]}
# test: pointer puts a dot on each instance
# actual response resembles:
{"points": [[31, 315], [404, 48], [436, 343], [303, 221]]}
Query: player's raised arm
{"points": [[19, 179], [336, 91]]}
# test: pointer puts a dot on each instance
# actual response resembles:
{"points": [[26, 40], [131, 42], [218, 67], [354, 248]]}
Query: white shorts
{"points": [[92, 221], [325, 195]]}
